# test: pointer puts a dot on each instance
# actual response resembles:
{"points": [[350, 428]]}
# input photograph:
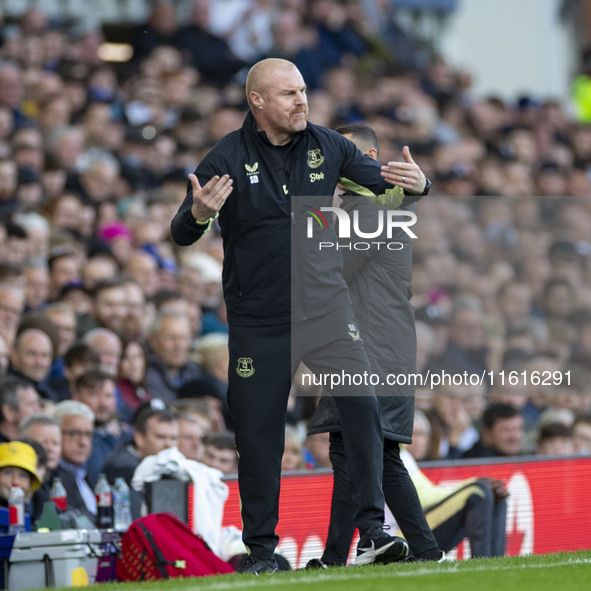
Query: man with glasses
{"points": [[76, 422]]}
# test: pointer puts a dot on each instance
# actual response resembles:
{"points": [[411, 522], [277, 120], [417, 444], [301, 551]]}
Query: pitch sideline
{"points": [[241, 583]]}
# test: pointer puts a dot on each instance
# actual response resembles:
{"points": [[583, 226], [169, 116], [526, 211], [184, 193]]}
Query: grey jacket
{"points": [[379, 281]]}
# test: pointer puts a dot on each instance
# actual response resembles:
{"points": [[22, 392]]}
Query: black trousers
{"points": [[401, 497], [470, 511], [262, 364]]}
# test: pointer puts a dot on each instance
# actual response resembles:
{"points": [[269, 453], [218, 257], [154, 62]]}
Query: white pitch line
{"points": [[395, 572]]}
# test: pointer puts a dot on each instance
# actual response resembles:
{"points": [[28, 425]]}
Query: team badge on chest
{"points": [[315, 158]]}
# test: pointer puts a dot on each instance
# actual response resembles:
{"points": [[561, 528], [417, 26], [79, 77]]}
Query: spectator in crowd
{"points": [[169, 368], [12, 305], [100, 269], [190, 436], [209, 53], [424, 445], [219, 451], [294, 41], [154, 428], [76, 422], [4, 357], [41, 494], [45, 431], [316, 451], [293, 458], [107, 345], [77, 359], [501, 433], [37, 284], [95, 178], [582, 433], [110, 307], [210, 352], [466, 349], [18, 400], [555, 439], [199, 410], [458, 431], [515, 302], [64, 318], [18, 465], [137, 320], [8, 184], [96, 389], [64, 268], [171, 300], [31, 359], [131, 381], [537, 393], [159, 29], [78, 298], [12, 92], [143, 268]]}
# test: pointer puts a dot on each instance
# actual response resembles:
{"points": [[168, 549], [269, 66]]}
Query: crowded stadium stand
{"points": [[103, 116]]}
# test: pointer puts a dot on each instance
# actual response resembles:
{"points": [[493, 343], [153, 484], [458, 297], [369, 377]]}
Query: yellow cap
{"points": [[21, 455]]}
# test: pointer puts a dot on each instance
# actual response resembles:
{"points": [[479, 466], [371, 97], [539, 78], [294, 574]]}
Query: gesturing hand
{"points": [[208, 200], [405, 174]]}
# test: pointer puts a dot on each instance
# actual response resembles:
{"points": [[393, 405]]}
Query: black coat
{"points": [[122, 462], [379, 281], [75, 500]]}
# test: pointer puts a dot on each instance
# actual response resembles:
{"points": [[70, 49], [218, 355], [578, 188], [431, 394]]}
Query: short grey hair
{"points": [[35, 419], [74, 408], [95, 158], [100, 331], [163, 315]]}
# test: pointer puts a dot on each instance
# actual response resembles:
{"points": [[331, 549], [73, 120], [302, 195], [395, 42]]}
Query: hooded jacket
{"points": [[379, 281]]}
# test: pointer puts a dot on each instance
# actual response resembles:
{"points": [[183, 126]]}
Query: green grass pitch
{"points": [[550, 572]]}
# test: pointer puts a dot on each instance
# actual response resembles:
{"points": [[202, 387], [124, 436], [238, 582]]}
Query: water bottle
{"points": [[104, 503], [16, 510], [58, 496], [121, 505]]}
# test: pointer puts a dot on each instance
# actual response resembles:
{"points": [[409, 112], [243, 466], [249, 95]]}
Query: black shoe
{"points": [[258, 566], [377, 547], [316, 564], [330, 561]]}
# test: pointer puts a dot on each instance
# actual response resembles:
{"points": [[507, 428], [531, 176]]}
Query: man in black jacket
{"points": [[256, 174], [379, 280]]}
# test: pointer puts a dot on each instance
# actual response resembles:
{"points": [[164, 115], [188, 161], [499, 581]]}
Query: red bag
{"points": [[159, 546]]}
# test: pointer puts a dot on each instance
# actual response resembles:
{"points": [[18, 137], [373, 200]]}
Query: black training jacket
{"points": [[265, 218]]}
